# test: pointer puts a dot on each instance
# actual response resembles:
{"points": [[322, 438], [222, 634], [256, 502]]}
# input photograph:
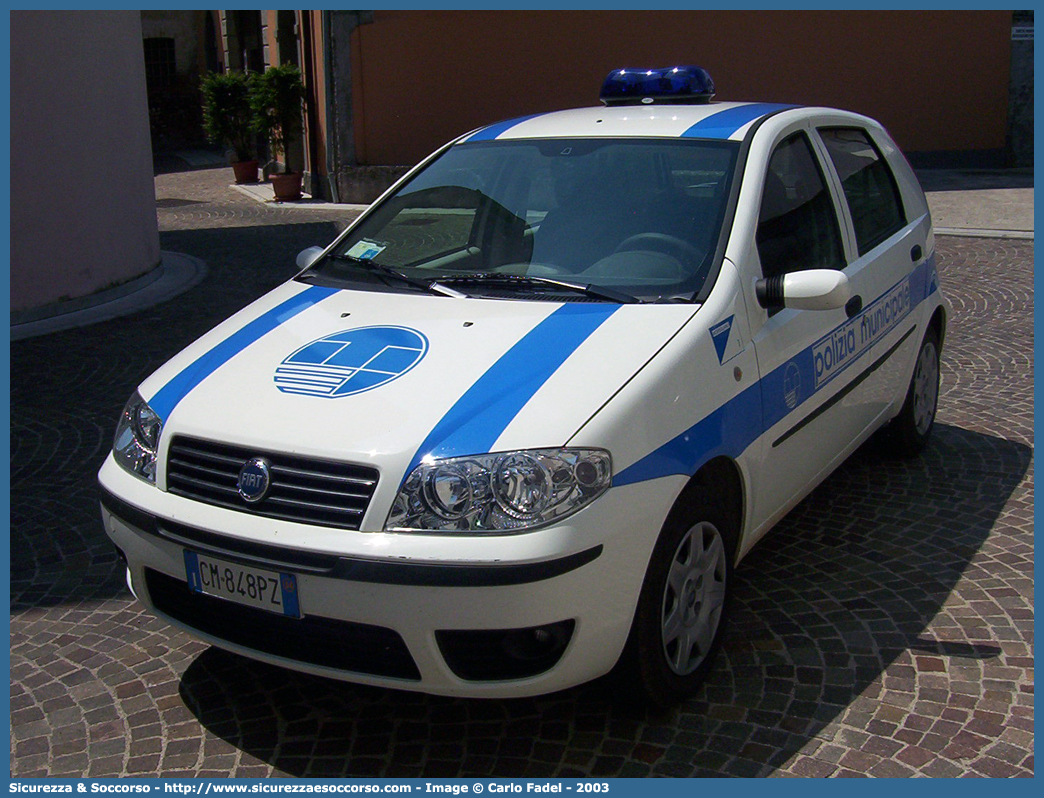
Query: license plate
{"points": [[243, 584]]}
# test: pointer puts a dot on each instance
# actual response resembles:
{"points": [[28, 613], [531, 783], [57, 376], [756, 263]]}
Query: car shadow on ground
{"points": [[828, 635]]}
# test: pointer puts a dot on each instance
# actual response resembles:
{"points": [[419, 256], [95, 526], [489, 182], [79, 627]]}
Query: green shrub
{"points": [[278, 100], [228, 116]]}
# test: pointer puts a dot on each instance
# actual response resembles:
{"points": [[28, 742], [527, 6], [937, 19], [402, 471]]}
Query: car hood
{"points": [[385, 379]]}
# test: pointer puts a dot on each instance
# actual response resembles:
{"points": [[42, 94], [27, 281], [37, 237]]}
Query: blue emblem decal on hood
{"points": [[351, 361]]}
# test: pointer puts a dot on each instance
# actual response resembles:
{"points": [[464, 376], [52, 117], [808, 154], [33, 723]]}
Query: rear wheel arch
{"points": [[938, 324]]}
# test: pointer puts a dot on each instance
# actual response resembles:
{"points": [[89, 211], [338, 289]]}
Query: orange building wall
{"points": [[937, 79]]}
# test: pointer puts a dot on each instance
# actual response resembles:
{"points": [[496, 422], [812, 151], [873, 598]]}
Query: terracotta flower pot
{"points": [[245, 171], [287, 187]]}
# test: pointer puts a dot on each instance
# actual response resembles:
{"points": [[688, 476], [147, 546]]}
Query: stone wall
{"points": [[83, 210]]}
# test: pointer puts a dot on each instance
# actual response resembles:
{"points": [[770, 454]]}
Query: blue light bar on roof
{"points": [[680, 84]]}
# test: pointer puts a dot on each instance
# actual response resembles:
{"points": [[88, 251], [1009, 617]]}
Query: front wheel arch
{"points": [[721, 478], [711, 502]]}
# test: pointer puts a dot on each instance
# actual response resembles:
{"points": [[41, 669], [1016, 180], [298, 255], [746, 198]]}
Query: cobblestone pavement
{"points": [[885, 628]]}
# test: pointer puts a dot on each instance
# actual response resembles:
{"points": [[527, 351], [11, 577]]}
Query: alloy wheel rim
{"points": [[693, 598], [926, 388]]}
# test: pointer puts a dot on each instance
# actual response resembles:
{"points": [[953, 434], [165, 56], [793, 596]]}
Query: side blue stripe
{"points": [[479, 417], [728, 430], [724, 123], [491, 132], [167, 397], [734, 426]]}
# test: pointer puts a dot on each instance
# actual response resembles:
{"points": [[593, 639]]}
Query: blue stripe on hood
{"points": [[479, 417], [167, 397]]}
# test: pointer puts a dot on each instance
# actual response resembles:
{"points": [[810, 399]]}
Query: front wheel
{"points": [[683, 608], [693, 599], [909, 431]]}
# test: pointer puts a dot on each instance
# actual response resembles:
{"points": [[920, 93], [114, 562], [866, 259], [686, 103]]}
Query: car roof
{"points": [[723, 121]]}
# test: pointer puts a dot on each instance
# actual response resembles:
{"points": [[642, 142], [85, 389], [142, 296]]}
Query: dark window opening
{"points": [[160, 64], [797, 227], [869, 185]]}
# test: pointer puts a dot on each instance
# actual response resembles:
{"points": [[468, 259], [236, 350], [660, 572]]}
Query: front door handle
{"points": [[854, 305]]}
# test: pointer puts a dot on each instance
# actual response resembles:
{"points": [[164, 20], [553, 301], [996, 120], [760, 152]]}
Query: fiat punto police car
{"points": [[515, 426]]}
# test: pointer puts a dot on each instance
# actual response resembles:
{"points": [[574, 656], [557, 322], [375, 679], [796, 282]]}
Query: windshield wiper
{"points": [[430, 286], [493, 278]]}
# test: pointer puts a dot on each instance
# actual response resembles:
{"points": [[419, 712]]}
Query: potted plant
{"points": [[277, 100], [228, 118]]}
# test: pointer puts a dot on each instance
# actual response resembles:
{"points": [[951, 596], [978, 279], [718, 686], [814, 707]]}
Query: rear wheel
{"points": [[683, 607], [909, 432]]}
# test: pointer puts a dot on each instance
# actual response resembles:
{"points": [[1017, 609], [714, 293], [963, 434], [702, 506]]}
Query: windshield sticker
{"points": [[351, 361], [366, 250]]}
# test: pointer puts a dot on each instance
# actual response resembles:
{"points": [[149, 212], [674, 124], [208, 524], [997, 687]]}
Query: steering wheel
{"points": [[661, 242]]}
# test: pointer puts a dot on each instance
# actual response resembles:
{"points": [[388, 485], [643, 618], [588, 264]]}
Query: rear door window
{"points": [[869, 185]]}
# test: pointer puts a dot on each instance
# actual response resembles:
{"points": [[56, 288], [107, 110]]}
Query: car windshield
{"points": [[620, 217]]}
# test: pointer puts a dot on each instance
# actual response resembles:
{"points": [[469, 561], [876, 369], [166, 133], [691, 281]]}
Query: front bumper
{"points": [[500, 623]]}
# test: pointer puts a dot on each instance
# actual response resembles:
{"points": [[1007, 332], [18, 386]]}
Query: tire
{"points": [[683, 607], [908, 433]]}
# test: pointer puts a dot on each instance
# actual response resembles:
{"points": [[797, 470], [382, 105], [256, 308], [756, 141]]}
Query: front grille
{"points": [[303, 489], [343, 645]]}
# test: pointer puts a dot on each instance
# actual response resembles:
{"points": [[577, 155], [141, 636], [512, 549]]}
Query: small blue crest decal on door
{"points": [[792, 385], [351, 361]]}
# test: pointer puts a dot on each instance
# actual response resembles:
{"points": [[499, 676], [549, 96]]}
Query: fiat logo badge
{"points": [[255, 478]]}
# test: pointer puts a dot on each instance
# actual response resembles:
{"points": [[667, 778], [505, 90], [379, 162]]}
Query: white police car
{"points": [[518, 423]]}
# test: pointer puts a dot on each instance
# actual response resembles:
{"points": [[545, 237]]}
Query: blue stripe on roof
{"points": [[479, 417], [491, 132], [167, 397], [724, 123]]}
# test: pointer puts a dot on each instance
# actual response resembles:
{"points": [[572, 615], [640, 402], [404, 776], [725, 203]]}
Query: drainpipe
{"points": [[331, 108], [337, 60]]}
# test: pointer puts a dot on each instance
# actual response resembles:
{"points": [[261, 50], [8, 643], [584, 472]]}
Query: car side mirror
{"points": [[306, 257], [813, 289]]}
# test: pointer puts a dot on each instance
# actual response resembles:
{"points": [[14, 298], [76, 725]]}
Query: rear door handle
{"points": [[915, 253]]}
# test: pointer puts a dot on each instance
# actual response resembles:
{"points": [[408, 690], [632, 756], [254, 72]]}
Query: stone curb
{"points": [[175, 274], [980, 233], [263, 193]]}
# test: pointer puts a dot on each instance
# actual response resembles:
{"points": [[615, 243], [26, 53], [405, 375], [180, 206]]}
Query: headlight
{"points": [[506, 492], [137, 438]]}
